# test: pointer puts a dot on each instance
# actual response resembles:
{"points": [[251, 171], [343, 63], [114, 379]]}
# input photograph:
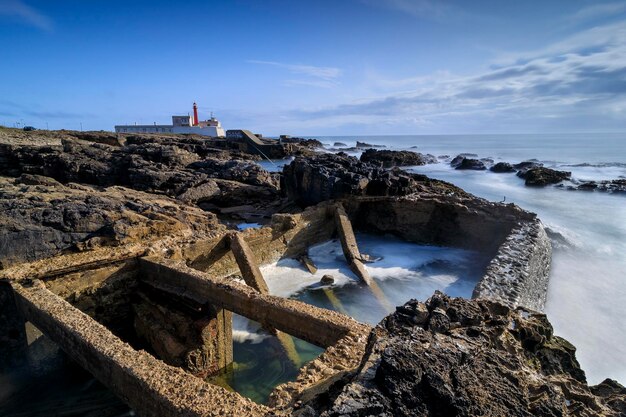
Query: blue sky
{"points": [[348, 67]]}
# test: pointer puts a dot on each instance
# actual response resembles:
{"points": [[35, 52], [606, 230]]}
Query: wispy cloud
{"points": [[581, 79], [596, 11], [319, 76], [24, 13], [425, 9]]}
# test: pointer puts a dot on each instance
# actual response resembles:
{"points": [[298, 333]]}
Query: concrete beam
{"points": [[313, 324], [349, 246], [353, 255], [247, 264], [146, 384]]}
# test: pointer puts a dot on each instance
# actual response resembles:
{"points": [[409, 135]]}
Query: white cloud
{"points": [[324, 73], [419, 8], [581, 79], [596, 11], [25, 13]]}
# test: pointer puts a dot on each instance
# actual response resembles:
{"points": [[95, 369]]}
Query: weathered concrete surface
{"points": [[12, 332], [290, 236], [346, 234], [197, 340], [350, 247], [149, 386], [313, 324], [316, 377], [104, 293], [247, 264], [518, 275]]}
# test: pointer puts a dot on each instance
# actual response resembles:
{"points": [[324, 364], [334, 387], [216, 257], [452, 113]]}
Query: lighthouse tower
{"points": [[195, 114]]}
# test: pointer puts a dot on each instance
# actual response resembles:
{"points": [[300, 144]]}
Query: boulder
{"points": [[340, 144], [456, 357], [469, 163], [388, 159], [327, 280], [526, 165], [502, 167], [543, 176]]}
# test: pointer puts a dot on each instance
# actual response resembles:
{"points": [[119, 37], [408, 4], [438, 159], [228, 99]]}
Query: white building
{"points": [[180, 124]]}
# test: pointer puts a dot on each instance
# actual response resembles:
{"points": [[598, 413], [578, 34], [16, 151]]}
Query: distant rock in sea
{"points": [[365, 145], [541, 176], [502, 167]]}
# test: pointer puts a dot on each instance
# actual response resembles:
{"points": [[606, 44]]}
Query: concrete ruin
{"points": [[178, 298]]}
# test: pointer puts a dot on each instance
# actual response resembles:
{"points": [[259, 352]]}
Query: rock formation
{"points": [[454, 357], [469, 163], [388, 159], [324, 177], [541, 176], [502, 167], [40, 217]]}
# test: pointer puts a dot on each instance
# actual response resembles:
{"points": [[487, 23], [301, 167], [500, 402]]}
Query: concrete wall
{"points": [[313, 324], [471, 224], [289, 236], [149, 386], [518, 275]]}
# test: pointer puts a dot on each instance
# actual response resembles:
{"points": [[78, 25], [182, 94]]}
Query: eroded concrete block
{"points": [[12, 331]]}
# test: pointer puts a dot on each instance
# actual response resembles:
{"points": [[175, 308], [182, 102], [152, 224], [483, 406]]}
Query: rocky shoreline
{"points": [[68, 194]]}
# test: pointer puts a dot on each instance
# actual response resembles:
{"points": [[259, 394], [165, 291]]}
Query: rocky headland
{"points": [[65, 194]]}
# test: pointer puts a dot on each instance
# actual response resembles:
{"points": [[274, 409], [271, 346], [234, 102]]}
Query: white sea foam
{"points": [[245, 330]]}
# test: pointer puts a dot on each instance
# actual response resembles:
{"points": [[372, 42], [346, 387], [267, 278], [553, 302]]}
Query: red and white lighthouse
{"points": [[195, 114]]}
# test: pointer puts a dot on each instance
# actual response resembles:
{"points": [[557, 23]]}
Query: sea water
{"points": [[403, 270], [587, 291]]}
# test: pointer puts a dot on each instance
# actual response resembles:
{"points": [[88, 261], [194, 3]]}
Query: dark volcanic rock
{"points": [[608, 186], [329, 176], [468, 163], [365, 145], [388, 159], [340, 144], [457, 160], [169, 165], [455, 357], [543, 176], [526, 165], [502, 167]]}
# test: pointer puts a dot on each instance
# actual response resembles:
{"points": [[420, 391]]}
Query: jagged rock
{"points": [[526, 165], [388, 159], [327, 280], [460, 158], [329, 176], [365, 145], [200, 193], [468, 163], [241, 171], [607, 186], [340, 144], [502, 167], [177, 167], [456, 357], [543, 176]]}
